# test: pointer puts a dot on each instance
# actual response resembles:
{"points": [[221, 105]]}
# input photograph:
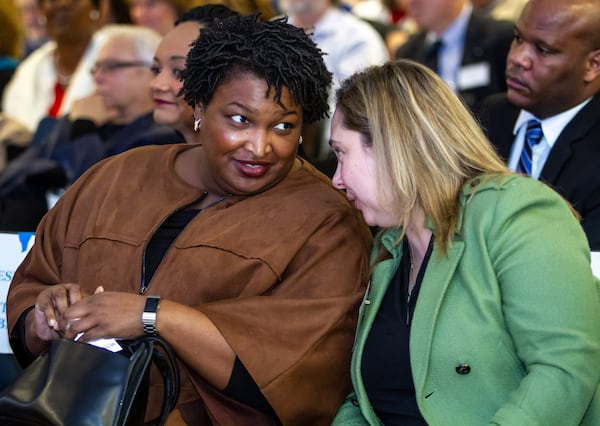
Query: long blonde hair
{"points": [[425, 142]]}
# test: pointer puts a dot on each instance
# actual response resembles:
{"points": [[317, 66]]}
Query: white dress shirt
{"points": [[453, 45], [552, 127]]}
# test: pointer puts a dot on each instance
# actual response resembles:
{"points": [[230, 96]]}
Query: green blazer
{"points": [[506, 329]]}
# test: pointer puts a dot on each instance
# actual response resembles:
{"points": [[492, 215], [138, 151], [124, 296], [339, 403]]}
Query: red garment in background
{"points": [[59, 94], [397, 15]]}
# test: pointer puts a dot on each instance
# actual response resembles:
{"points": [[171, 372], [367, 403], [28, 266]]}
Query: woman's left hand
{"points": [[104, 315]]}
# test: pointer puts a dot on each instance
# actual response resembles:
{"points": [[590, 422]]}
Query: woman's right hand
{"points": [[49, 306]]}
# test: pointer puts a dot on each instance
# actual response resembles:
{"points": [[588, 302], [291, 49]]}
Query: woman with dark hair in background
{"points": [[169, 62], [51, 78]]}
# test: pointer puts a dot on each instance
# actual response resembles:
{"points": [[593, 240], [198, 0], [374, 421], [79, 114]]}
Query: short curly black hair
{"points": [[281, 54]]}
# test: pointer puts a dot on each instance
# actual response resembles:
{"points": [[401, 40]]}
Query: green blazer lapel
{"points": [[382, 275], [438, 275]]}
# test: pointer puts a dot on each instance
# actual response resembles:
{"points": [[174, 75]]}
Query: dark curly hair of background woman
{"points": [[281, 54]]}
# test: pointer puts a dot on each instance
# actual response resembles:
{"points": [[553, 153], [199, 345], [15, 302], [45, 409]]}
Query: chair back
{"points": [[13, 248]]}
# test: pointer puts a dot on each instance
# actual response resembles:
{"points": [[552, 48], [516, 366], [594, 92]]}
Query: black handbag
{"points": [[77, 384]]}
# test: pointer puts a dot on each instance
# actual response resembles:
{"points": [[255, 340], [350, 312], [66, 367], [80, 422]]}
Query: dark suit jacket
{"points": [[487, 40], [573, 165]]}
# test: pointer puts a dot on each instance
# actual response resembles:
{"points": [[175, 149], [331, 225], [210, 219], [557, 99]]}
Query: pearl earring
{"points": [[197, 123], [94, 15], [300, 141]]}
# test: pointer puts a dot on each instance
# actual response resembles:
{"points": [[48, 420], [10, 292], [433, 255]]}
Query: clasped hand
{"points": [[65, 310]]}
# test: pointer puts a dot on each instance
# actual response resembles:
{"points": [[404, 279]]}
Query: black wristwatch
{"points": [[149, 315]]}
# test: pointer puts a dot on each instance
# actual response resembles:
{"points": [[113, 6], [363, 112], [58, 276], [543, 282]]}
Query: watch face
{"points": [[152, 304]]}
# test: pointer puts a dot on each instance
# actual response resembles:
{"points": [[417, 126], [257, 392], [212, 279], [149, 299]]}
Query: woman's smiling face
{"points": [[249, 139], [169, 60]]}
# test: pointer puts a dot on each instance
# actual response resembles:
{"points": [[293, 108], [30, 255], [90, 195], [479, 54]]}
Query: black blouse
{"points": [[241, 386], [385, 366]]}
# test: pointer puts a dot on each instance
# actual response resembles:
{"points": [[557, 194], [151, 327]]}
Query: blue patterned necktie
{"points": [[533, 136]]}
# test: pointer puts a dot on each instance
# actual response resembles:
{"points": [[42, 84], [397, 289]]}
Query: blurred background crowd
{"points": [[49, 70]]}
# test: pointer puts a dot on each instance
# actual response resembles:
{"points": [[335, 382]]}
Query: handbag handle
{"points": [[167, 365]]}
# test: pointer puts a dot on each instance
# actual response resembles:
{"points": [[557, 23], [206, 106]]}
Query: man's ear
{"points": [[592, 70]]}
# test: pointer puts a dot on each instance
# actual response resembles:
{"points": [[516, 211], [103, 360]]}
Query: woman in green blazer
{"points": [[482, 307]]}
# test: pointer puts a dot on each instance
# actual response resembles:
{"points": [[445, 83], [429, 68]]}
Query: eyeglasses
{"points": [[110, 66]]}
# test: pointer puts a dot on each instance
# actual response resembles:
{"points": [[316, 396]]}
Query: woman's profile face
{"points": [[355, 173], [167, 65], [249, 140]]}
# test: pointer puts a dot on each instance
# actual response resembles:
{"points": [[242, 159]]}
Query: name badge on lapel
{"points": [[473, 75]]}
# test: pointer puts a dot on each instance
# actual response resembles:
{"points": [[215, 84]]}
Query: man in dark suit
{"points": [[553, 78], [472, 54]]}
